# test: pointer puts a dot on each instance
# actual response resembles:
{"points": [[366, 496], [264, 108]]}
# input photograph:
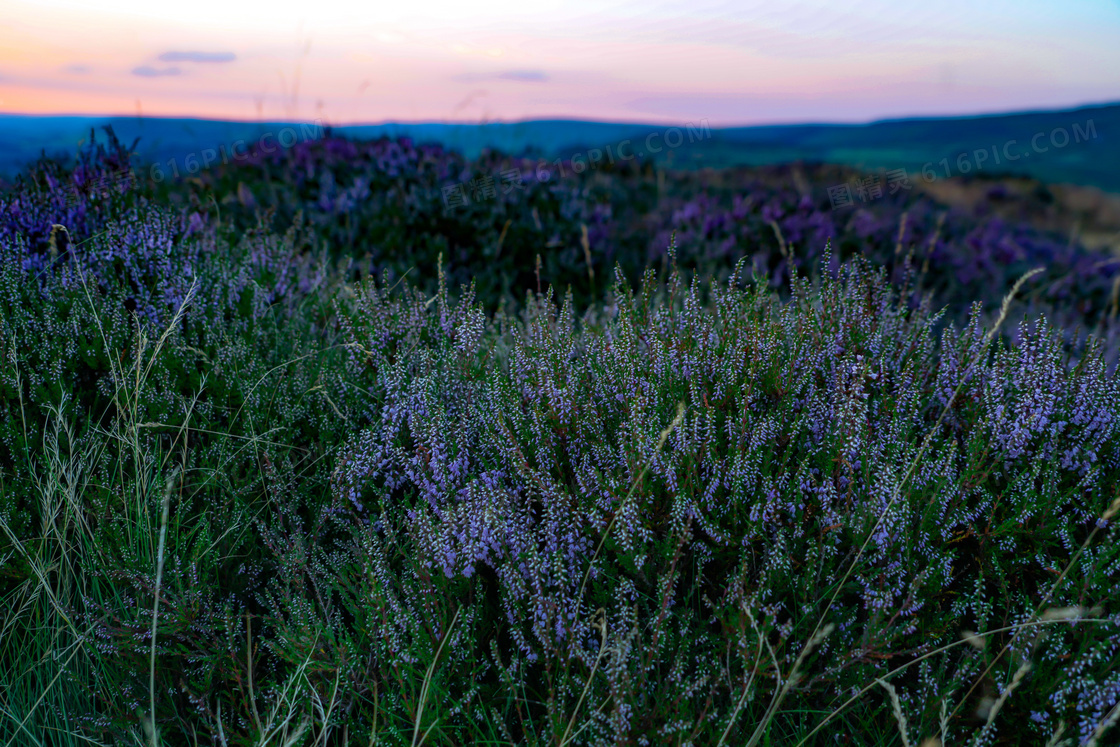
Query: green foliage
{"points": [[248, 494]]}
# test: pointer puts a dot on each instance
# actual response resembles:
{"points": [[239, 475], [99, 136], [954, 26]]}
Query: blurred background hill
{"points": [[1089, 157]]}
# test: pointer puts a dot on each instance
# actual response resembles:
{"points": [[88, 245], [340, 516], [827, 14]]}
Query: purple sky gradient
{"points": [[732, 63]]}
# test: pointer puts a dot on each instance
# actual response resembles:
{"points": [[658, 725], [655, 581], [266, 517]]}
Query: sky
{"points": [[731, 63]]}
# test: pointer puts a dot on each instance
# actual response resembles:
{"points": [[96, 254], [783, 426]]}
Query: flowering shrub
{"points": [[960, 256], [252, 499], [501, 456], [383, 201]]}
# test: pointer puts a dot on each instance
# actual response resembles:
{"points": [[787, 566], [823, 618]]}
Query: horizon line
{"points": [[571, 119]]}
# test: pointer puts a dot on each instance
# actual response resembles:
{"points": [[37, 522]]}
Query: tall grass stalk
{"points": [[56, 581], [417, 738], [154, 730], [750, 680], [601, 625], [1107, 723]]}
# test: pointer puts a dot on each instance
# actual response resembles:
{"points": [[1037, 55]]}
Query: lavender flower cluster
{"points": [[500, 455]]}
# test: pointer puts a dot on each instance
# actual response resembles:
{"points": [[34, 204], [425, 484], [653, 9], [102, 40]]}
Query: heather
{"points": [[259, 485], [510, 223], [576, 223]]}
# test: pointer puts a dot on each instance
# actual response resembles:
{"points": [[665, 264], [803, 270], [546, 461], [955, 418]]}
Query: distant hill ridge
{"points": [[1075, 146]]}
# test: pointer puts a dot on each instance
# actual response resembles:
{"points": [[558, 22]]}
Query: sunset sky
{"points": [[732, 63]]}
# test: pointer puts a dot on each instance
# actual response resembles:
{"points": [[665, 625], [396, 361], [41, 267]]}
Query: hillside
{"points": [[1077, 146]]}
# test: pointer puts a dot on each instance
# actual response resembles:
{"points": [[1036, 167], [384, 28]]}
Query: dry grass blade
{"points": [[901, 233], [601, 625], [750, 680], [1061, 614], [896, 707], [923, 657], [1070, 613], [790, 681], [417, 738], [1107, 723], [994, 709], [781, 239], [972, 639], [153, 731], [1055, 739]]}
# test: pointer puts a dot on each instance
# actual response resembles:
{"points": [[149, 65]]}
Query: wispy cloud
{"points": [[147, 71], [528, 76], [197, 57], [521, 76], [77, 69]]}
